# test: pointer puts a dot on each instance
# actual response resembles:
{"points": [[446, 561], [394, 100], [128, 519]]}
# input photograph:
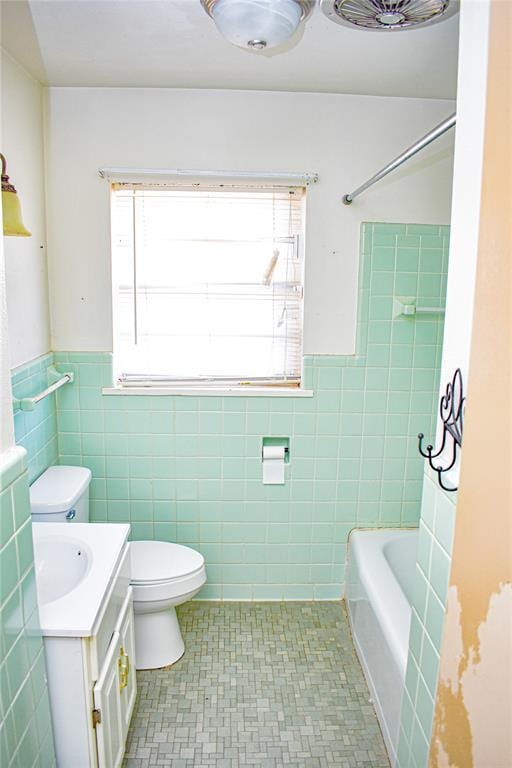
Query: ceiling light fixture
{"points": [[257, 24]]}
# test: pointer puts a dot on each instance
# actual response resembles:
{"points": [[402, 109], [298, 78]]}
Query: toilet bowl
{"points": [[164, 575]]}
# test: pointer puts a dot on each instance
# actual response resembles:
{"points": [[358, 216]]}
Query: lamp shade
{"points": [[11, 211], [257, 24], [11, 208]]}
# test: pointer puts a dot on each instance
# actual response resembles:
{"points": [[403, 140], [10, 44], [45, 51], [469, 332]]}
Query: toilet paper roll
{"points": [[273, 452], [273, 464]]}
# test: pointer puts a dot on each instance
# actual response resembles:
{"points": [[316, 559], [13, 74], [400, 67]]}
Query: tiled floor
{"points": [[260, 684]]}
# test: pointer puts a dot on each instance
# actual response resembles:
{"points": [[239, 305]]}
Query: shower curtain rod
{"points": [[412, 150]]}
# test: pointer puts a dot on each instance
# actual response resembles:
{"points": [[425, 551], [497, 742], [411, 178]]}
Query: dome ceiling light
{"points": [[257, 24], [388, 14]]}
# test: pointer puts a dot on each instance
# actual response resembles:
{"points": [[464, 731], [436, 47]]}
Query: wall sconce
{"points": [[11, 209]]}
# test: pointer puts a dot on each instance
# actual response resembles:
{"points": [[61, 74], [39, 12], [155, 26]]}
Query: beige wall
{"points": [[344, 138], [474, 701], [25, 257], [6, 421]]}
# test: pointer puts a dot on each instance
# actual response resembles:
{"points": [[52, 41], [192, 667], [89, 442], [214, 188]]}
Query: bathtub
{"points": [[378, 597]]}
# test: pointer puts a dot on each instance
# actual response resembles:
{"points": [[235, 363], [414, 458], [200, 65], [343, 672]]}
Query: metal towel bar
{"points": [[29, 403], [412, 309]]}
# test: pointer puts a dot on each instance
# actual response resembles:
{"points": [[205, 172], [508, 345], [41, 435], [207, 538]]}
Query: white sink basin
{"points": [[61, 563], [74, 564]]}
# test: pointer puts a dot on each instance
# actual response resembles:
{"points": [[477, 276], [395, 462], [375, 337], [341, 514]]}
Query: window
{"points": [[207, 285]]}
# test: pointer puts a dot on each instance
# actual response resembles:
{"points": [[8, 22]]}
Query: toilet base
{"points": [[158, 640]]}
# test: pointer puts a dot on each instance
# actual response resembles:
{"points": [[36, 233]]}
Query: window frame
{"points": [[215, 386]]}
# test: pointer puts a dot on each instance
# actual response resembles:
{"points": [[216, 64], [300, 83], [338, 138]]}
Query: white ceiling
{"points": [[173, 43]]}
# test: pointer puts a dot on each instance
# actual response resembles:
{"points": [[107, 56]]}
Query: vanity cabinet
{"points": [[114, 693], [92, 682]]}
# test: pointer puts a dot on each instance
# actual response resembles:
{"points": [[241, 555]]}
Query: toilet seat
{"points": [[164, 571], [160, 562]]}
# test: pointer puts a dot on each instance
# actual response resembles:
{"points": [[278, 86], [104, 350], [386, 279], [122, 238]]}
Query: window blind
{"points": [[207, 284]]}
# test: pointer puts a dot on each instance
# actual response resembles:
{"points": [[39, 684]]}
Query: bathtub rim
{"points": [[373, 540]]}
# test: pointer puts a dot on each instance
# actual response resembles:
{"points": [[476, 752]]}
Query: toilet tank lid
{"points": [[58, 489]]}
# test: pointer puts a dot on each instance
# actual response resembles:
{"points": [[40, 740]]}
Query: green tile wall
{"points": [[36, 430], [427, 622], [25, 727], [188, 469]]}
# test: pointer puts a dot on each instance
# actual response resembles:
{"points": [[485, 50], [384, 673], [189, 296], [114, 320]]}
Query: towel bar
{"points": [[29, 403]]}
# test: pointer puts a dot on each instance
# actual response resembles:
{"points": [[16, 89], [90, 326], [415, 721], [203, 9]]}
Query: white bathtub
{"points": [[379, 595]]}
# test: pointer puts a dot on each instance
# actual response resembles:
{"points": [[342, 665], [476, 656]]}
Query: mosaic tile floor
{"points": [[260, 684]]}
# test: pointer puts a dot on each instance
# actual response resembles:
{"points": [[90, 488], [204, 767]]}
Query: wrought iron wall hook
{"points": [[451, 411]]}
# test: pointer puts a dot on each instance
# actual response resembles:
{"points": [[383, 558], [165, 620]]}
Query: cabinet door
{"points": [[107, 699], [127, 662]]}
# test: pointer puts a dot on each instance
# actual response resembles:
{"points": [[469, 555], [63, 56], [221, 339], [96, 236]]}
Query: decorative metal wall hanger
{"points": [[451, 410]]}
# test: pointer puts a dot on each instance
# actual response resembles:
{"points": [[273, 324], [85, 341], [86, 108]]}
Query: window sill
{"points": [[211, 391]]}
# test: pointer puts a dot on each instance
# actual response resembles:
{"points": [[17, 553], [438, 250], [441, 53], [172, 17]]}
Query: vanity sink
{"points": [[61, 564], [85, 601], [75, 564]]}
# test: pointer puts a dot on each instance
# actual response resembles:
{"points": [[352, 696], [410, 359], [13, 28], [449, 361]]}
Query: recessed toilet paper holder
{"points": [[278, 442], [275, 455]]}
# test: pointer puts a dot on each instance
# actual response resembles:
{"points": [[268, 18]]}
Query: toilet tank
{"points": [[61, 494]]}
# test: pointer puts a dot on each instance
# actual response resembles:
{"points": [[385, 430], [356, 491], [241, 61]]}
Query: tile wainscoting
{"points": [[188, 469], [431, 588], [25, 728], [36, 430]]}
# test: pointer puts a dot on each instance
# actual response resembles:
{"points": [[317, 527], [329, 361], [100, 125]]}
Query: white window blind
{"points": [[207, 284]]}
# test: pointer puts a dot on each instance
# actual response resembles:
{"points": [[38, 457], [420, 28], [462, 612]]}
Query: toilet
{"points": [[163, 575]]}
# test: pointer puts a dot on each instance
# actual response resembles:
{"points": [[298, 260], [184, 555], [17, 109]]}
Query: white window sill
{"points": [[211, 391]]}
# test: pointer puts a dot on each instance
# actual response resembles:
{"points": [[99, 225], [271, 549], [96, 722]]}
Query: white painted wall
{"points": [[25, 257], [467, 183], [344, 138], [6, 418]]}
